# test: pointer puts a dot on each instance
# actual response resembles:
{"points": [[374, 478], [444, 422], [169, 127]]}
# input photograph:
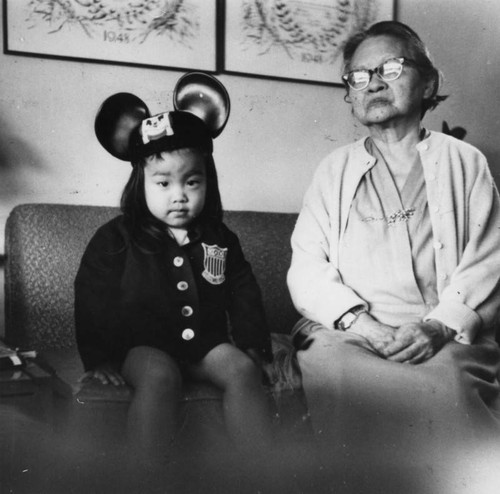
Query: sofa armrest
{"points": [[43, 247]]}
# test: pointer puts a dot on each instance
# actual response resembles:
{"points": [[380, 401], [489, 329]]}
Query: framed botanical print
{"points": [[295, 39], [161, 33]]}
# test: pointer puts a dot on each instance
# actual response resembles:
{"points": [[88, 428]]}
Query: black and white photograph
{"points": [[249, 247]]}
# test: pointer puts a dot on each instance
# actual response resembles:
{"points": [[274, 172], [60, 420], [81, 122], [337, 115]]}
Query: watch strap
{"points": [[347, 320]]}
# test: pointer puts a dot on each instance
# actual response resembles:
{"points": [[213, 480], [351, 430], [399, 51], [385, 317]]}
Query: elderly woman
{"points": [[396, 269]]}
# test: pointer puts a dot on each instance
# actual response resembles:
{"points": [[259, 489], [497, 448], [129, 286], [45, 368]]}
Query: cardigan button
{"points": [[188, 334], [182, 286], [178, 261], [187, 311], [438, 245]]}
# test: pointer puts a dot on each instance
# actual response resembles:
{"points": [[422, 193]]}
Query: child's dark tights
{"points": [[152, 416], [246, 407], [157, 383]]}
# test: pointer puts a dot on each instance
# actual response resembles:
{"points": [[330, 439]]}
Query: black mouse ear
{"points": [[204, 96], [118, 122]]}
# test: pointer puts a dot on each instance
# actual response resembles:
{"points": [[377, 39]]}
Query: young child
{"points": [[156, 284]]}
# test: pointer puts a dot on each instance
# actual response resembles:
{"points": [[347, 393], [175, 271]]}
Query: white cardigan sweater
{"points": [[464, 207]]}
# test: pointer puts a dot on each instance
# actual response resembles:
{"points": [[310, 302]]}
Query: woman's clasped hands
{"points": [[411, 343]]}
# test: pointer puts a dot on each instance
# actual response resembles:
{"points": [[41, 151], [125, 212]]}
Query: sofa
{"points": [[43, 247]]}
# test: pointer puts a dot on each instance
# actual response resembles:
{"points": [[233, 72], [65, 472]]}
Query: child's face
{"points": [[175, 186]]}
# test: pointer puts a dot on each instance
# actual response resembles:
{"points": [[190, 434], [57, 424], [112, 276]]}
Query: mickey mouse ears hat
{"points": [[126, 129]]}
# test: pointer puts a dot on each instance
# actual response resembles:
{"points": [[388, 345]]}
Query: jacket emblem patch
{"points": [[214, 263]]}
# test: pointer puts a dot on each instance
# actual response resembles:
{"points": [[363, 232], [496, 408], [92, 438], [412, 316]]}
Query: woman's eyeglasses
{"points": [[390, 70]]}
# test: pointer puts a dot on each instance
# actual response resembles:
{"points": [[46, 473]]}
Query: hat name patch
{"points": [[214, 263], [156, 127]]}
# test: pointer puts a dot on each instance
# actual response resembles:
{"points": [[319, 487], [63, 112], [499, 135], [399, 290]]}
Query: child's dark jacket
{"points": [[125, 297]]}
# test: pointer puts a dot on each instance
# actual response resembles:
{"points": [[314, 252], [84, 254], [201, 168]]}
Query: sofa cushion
{"points": [[282, 375]]}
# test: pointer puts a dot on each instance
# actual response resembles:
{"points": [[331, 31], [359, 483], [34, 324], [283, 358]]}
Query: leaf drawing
{"points": [[315, 32], [176, 19]]}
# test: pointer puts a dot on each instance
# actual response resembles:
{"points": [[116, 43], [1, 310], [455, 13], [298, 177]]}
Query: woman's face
{"points": [[382, 103]]}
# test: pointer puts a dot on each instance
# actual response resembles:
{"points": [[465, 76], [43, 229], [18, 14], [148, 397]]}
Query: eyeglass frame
{"points": [[376, 70]]}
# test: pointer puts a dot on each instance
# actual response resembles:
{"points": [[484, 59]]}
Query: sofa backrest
{"points": [[45, 242]]}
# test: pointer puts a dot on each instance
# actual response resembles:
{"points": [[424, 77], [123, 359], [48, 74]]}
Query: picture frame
{"points": [[298, 40], [179, 34]]}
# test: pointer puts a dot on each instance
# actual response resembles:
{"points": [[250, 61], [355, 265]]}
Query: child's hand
{"points": [[106, 374]]}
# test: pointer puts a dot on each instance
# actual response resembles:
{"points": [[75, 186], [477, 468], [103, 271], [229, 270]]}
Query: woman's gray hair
{"points": [[419, 53]]}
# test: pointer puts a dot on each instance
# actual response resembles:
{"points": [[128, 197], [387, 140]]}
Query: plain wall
{"points": [[277, 132]]}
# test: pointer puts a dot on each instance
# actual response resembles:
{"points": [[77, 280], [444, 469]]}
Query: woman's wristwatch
{"points": [[347, 320]]}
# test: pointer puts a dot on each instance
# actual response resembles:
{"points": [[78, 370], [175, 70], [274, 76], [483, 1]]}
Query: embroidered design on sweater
{"points": [[214, 263], [396, 217], [400, 215]]}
